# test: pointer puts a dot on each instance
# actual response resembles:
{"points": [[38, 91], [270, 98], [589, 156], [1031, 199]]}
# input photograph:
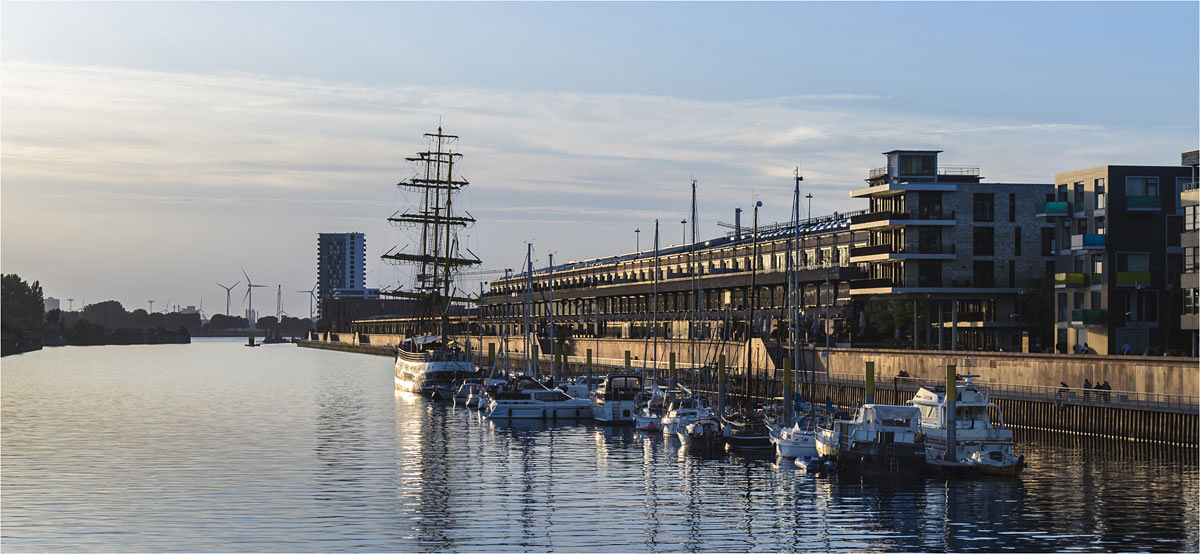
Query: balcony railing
{"points": [[1070, 279], [871, 250], [1143, 203], [1053, 209], [972, 170], [1087, 317], [1084, 242], [885, 216], [878, 172], [875, 216], [1133, 277], [871, 283]]}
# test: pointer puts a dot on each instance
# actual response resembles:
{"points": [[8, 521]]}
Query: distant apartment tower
{"points": [[341, 258], [50, 304], [1189, 196], [962, 251], [1117, 235]]}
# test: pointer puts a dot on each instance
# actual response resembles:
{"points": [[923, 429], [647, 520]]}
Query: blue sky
{"points": [[167, 145]]}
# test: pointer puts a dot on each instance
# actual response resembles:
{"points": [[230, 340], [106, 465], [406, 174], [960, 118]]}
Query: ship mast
{"points": [[439, 257]]}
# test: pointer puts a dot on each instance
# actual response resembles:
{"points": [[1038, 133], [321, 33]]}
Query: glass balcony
{"points": [[1133, 277], [1087, 242], [1087, 317], [1070, 279], [1053, 209], [1143, 203]]}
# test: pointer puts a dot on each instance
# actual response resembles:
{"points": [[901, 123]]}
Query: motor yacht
{"points": [[983, 445], [879, 437], [526, 398]]}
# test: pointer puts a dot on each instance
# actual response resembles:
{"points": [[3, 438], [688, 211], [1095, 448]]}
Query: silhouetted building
{"points": [[341, 259]]}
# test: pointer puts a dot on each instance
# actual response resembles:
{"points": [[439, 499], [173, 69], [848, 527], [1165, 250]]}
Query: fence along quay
{"points": [[1122, 414]]}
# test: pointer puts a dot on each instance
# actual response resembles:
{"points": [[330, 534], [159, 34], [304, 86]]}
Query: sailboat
{"points": [[799, 439], [428, 361]]}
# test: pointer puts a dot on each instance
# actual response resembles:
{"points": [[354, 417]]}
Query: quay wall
{"points": [[1143, 374]]}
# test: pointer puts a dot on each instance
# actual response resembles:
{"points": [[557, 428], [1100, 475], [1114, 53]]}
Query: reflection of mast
{"points": [[439, 256]]}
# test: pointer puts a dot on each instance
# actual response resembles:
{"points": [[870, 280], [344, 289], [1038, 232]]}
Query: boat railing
{"points": [[1059, 395]]}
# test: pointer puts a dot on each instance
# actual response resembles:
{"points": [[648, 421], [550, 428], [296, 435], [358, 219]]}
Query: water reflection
{"points": [[218, 448]]}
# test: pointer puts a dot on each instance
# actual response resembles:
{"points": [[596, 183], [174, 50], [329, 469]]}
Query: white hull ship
{"points": [[526, 398], [879, 438], [615, 402], [426, 362], [983, 445]]}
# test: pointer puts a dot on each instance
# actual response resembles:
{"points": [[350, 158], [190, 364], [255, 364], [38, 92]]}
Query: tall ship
{"points": [[428, 361]]}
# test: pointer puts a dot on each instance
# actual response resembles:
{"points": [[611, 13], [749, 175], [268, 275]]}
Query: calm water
{"points": [[217, 447]]}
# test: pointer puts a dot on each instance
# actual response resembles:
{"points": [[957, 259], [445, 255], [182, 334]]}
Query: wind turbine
{"points": [[227, 289], [312, 295], [250, 295]]}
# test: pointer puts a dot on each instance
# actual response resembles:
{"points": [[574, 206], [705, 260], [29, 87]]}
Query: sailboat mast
{"points": [[692, 273], [654, 309], [550, 311], [525, 330], [793, 293]]}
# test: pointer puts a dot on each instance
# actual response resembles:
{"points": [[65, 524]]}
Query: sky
{"points": [[150, 150]]}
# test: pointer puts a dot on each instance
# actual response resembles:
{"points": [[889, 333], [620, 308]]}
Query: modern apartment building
{"points": [[341, 258], [1189, 197], [966, 253], [1117, 233]]}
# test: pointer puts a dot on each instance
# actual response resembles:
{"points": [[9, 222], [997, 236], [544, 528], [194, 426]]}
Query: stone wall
{"points": [[1148, 374]]}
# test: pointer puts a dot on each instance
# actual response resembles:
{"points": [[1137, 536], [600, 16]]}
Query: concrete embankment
{"points": [[344, 347]]}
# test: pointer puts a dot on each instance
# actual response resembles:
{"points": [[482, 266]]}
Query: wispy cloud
{"points": [[251, 153]]}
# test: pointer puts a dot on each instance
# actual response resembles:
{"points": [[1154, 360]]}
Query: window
{"points": [[1133, 261], [1081, 227], [1017, 241], [1047, 241], [985, 274], [1078, 196], [1095, 305], [1190, 264], [983, 242], [1012, 207], [929, 273], [1062, 306], [1101, 199], [984, 207], [1189, 219], [1012, 273], [1099, 225], [1141, 186], [917, 165]]}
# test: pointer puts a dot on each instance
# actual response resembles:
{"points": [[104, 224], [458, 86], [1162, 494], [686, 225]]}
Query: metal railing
{"points": [[878, 172], [959, 170], [1037, 393]]}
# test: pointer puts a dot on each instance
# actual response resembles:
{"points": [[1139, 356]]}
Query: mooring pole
{"points": [[870, 383], [951, 423], [721, 384]]}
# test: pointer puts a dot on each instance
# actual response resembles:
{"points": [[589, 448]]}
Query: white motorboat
{"points": [[797, 441], [983, 445], [615, 401], [680, 413], [478, 398], [525, 398], [879, 438]]}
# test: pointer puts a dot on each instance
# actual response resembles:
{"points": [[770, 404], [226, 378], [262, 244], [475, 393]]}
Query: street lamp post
{"points": [[683, 222], [637, 233]]}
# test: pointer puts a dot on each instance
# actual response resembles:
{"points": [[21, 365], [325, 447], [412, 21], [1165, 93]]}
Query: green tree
{"points": [[21, 305]]}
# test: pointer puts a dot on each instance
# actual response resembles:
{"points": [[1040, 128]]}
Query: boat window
{"points": [[929, 414], [895, 422]]}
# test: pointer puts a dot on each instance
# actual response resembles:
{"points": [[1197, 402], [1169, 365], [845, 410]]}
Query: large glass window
{"points": [[1017, 241], [1133, 261], [1141, 186], [917, 165], [984, 273], [983, 242], [984, 207], [1012, 207]]}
